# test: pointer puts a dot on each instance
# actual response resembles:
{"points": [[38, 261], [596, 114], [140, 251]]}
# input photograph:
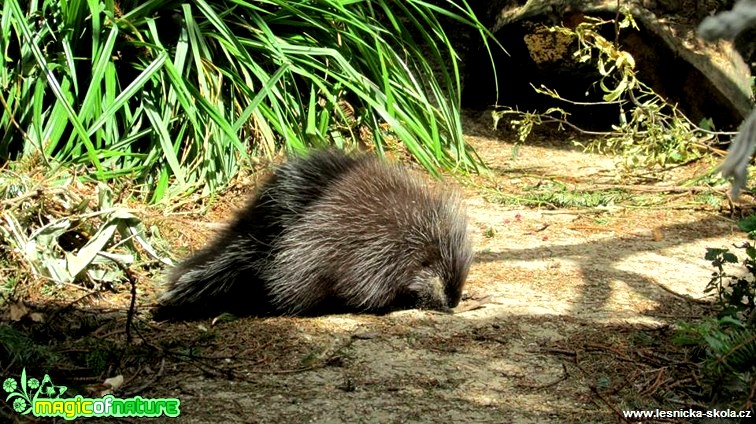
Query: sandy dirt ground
{"points": [[567, 317]]}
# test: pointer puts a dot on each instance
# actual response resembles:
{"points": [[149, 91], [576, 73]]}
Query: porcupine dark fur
{"points": [[330, 233]]}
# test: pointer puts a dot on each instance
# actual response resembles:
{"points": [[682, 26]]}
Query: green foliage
{"points": [[18, 349], [651, 132], [66, 238], [709, 199], [558, 196], [748, 224], [524, 122], [727, 350], [99, 354], [735, 293], [554, 195], [178, 95], [727, 344]]}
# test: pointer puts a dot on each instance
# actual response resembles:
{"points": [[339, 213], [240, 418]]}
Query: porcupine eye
{"points": [[427, 258]]}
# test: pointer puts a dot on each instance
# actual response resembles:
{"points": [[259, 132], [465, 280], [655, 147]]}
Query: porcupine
{"points": [[330, 233]]}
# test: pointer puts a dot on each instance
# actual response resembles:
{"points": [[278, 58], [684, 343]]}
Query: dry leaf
{"points": [[17, 311], [114, 382]]}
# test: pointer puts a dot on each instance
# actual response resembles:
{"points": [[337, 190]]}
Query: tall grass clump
{"points": [[176, 96]]}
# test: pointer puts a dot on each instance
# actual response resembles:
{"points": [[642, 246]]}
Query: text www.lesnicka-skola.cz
{"points": [[686, 413]]}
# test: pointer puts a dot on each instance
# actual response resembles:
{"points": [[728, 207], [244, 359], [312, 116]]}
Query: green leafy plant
{"points": [[65, 238], [748, 224], [19, 349], [726, 344], [735, 293], [555, 194], [651, 132], [726, 349], [178, 96]]}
